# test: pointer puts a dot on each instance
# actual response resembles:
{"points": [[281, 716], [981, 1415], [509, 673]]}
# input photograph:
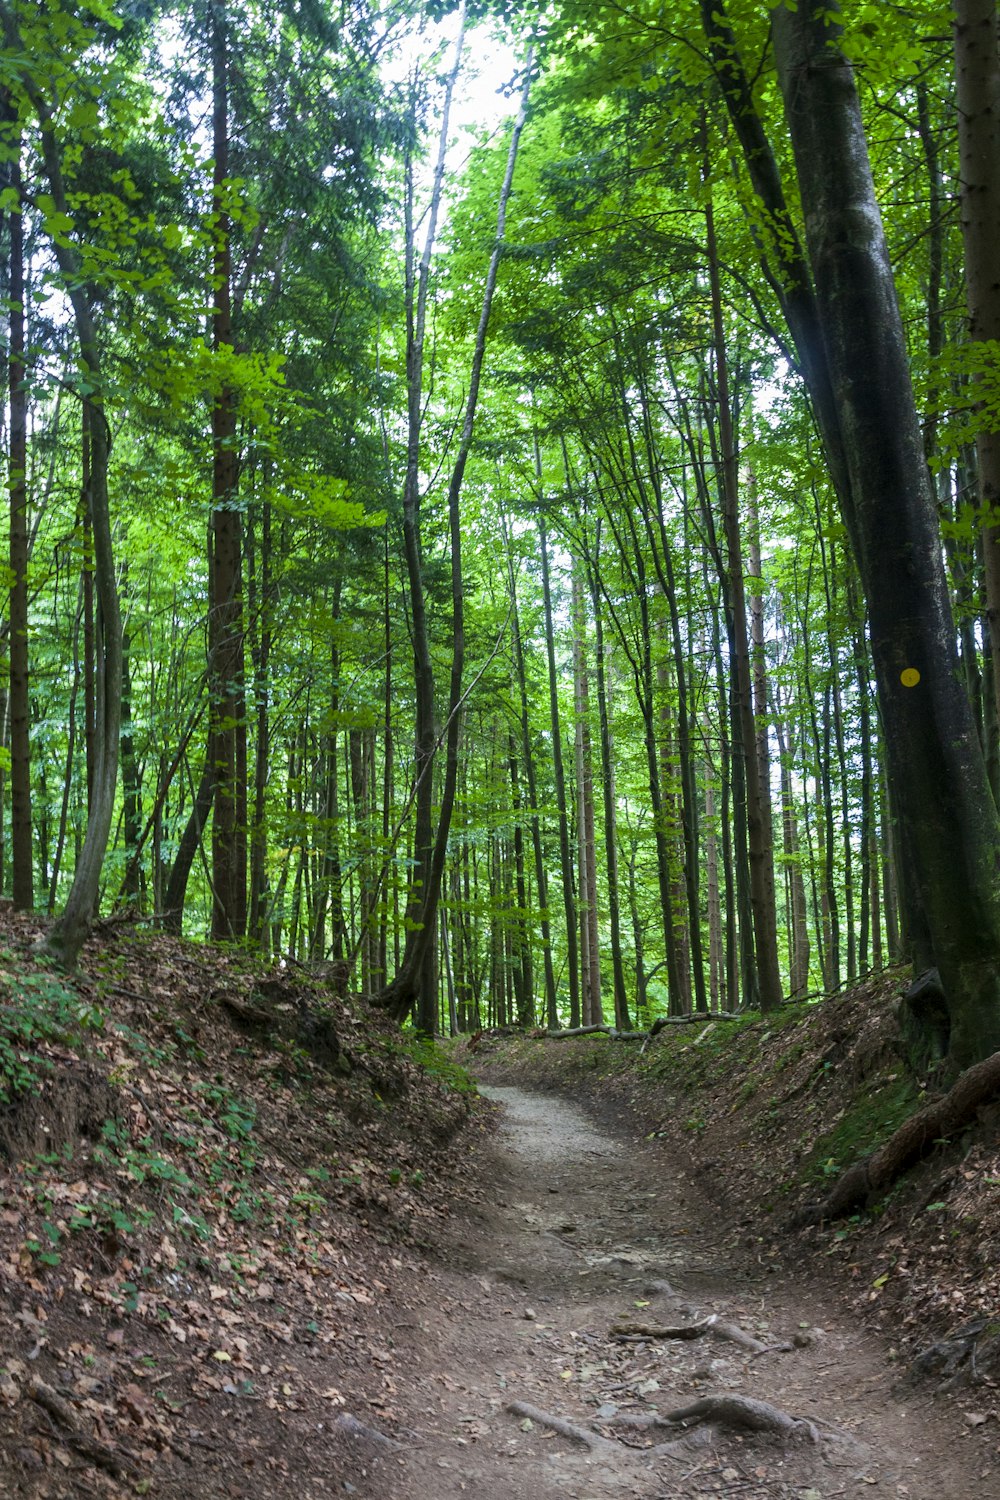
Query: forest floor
{"points": [[254, 1244]]}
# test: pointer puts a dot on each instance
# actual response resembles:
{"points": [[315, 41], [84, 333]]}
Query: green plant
{"points": [[41, 1009]]}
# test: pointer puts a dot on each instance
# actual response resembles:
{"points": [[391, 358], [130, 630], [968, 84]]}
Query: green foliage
{"points": [[865, 1125], [432, 1058], [38, 1011]]}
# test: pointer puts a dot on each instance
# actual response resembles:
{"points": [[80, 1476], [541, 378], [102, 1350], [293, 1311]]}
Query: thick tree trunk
{"points": [[977, 75], [938, 779]]}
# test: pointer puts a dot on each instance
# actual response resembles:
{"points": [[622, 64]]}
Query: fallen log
{"points": [[874, 1174], [699, 1018]]}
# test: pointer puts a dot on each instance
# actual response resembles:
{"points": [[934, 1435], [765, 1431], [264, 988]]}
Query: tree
{"points": [[66, 938], [942, 800]]}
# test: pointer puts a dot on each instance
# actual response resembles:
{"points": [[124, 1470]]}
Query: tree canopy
{"points": [[533, 552]]}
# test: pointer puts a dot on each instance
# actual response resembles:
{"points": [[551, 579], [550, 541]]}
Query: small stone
{"points": [[530, 1314]]}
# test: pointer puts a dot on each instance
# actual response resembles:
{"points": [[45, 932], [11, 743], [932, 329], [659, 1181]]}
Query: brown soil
{"points": [[249, 1248], [587, 1230]]}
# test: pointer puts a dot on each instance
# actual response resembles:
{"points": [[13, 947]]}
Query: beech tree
{"points": [[947, 819]]}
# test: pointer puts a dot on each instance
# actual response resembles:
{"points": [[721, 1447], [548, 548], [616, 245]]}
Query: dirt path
{"points": [[580, 1232]]}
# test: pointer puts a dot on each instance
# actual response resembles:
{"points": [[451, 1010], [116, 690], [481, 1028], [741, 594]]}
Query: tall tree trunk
{"points": [[399, 996], [798, 925], [977, 96], [227, 734], [527, 752], [22, 853], [67, 936], [590, 968], [609, 799], [524, 977], [133, 886], [760, 833], [261, 609], [562, 812], [938, 779]]}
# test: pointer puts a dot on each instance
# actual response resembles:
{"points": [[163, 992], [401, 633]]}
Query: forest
{"points": [[531, 552]]}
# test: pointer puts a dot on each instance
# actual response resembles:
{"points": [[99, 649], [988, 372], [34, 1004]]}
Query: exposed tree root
{"points": [[710, 1327], [742, 1413], [569, 1430], [351, 1427], [711, 1414], [113, 1461], [871, 1177]]}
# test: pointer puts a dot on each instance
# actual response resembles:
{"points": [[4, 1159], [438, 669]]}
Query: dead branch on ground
{"points": [[710, 1327]]}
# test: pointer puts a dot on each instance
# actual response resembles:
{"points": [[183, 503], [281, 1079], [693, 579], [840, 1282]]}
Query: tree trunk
{"points": [[227, 733], [620, 993], [399, 996], [938, 778], [590, 968], [22, 853], [565, 858], [760, 833], [180, 870], [67, 936], [977, 75], [541, 874]]}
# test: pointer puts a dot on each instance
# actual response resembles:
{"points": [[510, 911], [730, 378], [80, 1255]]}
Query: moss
{"points": [[869, 1121]]}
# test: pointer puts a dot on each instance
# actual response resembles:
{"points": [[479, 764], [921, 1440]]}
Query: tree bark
{"points": [[937, 775], [227, 732], [977, 76], [22, 860], [68, 934]]}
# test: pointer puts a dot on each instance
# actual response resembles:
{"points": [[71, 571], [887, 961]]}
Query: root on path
{"points": [[709, 1416], [710, 1327]]}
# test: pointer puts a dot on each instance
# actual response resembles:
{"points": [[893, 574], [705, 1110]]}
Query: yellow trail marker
{"points": [[909, 676]]}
